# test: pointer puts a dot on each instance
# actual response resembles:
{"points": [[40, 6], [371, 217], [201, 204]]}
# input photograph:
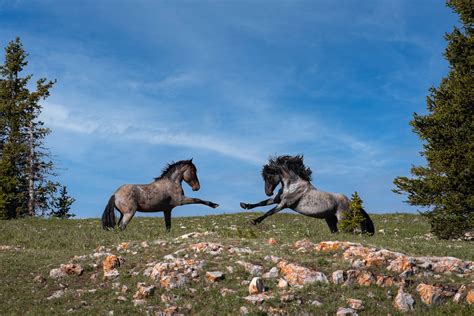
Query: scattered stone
{"points": [[56, 294], [287, 297], [111, 262], [272, 241], [243, 310], [256, 286], [112, 274], [39, 279], [143, 291], [429, 294], [343, 311], [194, 235], [258, 298], [139, 302], [65, 270], [121, 298], [211, 248], [169, 257], [174, 274], [272, 258], [355, 303], [273, 273], [303, 245], [384, 281], [253, 269], [334, 245], [144, 244], [230, 269], [123, 246], [351, 277], [282, 284], [298, 275], [316, 303], [214, 276], [226, 291], [339, 276], [403, 301], [124, 289]]}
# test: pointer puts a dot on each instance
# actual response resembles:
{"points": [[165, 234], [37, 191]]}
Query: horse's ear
{"points": [[191, 160]]}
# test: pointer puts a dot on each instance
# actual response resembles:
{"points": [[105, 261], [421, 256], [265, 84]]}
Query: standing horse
{"points": [[162, 195], [297, 193]]}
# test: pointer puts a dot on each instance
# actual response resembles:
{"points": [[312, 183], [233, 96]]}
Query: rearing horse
{"points": [[162, 195], [297, 193]]}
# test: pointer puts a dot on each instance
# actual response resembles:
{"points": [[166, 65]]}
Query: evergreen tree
{"points": [[351, 223], [62, 205], [24, 163], [445, 186]]}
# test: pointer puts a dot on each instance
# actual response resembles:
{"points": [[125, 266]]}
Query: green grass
{"points": [[47, 243]]}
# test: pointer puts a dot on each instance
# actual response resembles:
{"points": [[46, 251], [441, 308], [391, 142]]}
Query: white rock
{"points": [[342, 311], [56, 294]]}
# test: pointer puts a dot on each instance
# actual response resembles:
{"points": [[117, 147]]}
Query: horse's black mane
{"points": [[170, 167], [289, 163]]}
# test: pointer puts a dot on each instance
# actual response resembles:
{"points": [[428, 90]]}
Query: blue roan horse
{"points": [[297, 193]]}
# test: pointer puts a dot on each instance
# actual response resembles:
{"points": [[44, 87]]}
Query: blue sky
{"points": [[142, 83]]}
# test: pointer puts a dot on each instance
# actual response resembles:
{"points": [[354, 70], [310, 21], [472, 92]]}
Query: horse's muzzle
{"points": [[195, 187]]}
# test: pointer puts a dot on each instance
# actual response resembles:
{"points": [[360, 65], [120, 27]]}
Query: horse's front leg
{"points": [[187, 200], [249, 206], [167, 220], [274, 210]]}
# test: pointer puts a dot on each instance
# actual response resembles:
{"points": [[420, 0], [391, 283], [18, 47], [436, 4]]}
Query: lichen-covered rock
{"points": [[384, 281], [272, 241], [65, 270], [401, 264], [208, 247], [253, 269], [365, 278], [470, 297], [403, 301], [256, 286], [298, 275], [56, 294], [429, 294], [355, 303], [339, 277], [143, 291], [214, 276], [111, 262]]}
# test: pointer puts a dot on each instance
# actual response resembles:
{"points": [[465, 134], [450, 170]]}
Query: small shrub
{"points": [[351, 223]]}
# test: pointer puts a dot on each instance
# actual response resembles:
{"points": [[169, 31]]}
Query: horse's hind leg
{"points": [[127, 217], [332, 223]]}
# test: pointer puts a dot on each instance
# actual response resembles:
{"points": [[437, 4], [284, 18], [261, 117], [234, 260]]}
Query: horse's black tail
{"points": [[367, 226], [108, 217]]}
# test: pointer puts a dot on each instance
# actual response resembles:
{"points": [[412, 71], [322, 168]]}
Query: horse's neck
{"points": [[289, 183], [176, 176]]}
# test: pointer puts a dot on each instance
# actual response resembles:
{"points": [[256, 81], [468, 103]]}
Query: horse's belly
{"points": [[316, 205]]}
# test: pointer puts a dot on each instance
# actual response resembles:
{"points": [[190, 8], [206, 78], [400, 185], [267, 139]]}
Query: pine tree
{"points": [[24, 163], [445, 186], [351, 223], [62, 205]]}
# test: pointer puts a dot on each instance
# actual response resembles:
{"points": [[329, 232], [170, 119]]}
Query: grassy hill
{"points": [[30, 248]]}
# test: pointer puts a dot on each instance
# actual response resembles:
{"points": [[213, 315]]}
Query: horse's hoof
{"points": [[214, 205], [243, 205], [254, 222]]}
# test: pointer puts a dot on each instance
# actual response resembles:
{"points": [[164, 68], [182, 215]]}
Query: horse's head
{"points": [[272, 177], [190, 175]]}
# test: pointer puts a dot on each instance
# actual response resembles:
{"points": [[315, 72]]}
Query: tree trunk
{"points": [[31, 171]]}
